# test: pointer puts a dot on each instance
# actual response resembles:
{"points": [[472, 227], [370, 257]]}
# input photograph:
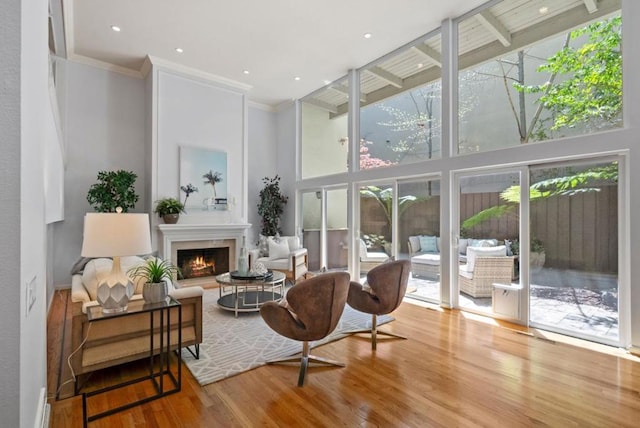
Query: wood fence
{"points": [[578, 232]]}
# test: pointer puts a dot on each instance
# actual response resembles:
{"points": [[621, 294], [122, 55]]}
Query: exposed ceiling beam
{"points": [[323, 105], [495, 27], [383, 74], [429, 53], [345, 91], [591, 5]]}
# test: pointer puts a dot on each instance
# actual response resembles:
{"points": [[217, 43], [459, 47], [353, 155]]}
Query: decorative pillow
{"points": [[278, 250], [474, 252], [263, 246], [483, 242], [415, 243], [428, 244], [95, 271], [294, 242]]}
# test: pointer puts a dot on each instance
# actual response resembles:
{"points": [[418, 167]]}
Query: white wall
{"points": [[104, 130], [10, 223], [196, 113], [287, 159], [263, 160]]}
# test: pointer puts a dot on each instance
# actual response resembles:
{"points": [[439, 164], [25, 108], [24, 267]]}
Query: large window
{"points": [[324, 131], [532, 72], [400, 98]]}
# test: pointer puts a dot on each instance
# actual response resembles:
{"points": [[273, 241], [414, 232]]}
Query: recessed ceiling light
{"points": [[543, 10], [115, 28], [245, 71], [326, 82], [367, 35], [179, 50], [297, 78], [420, 65]]}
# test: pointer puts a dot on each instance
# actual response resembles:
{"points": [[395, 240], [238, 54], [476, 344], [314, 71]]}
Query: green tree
{"points": [[589, 90], [212, 178]]}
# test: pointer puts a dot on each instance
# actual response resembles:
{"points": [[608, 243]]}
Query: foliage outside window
{"points": [[566, 86]]}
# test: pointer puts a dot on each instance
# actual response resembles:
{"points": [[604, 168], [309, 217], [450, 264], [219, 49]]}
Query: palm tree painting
{"points": [[208, 167], [213, 178]]}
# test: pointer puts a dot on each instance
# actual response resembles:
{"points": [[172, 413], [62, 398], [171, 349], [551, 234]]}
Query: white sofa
{"points": [[123, 339], [284, 254], [425, 259]]}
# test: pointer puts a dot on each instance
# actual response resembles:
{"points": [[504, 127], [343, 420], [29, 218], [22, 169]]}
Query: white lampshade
{"points": [[116, 234]]}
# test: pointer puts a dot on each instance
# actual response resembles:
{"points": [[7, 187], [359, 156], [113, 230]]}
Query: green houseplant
{"points": [[169, 209], [114, 189], [271, 206], [156, 272]]}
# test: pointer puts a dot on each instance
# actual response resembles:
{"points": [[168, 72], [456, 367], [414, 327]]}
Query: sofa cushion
{"points": [[280, 264], [294, 242], [426, 259], [474, 252], [463, 243], [415, 243], [278, 249], [428, 244], [485, 242]]}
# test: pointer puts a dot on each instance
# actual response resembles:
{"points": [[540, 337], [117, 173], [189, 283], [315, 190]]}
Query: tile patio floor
{"points": [[580, 317]]}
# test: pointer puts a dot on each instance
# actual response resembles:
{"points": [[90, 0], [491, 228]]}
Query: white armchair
{"points": [[485, 266], [370, 259], [284, 254]]}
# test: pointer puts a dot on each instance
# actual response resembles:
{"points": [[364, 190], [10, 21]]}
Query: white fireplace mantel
{"points": [[171, 233]]}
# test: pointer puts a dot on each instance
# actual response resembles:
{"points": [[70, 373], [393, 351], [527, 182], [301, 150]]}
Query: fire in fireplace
{"points": [[203, 262]]}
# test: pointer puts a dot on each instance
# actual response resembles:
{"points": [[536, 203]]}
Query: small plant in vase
{"points": [[156, 273], [169, 209]]}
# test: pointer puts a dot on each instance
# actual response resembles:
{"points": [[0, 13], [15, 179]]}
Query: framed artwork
{"points": [[203, 179]]}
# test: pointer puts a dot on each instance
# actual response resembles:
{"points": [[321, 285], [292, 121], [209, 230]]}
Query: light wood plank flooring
{"points": [[454, 370]]}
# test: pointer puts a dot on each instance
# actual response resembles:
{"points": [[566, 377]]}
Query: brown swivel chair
{"points": [[386, 286], [312, 311]]}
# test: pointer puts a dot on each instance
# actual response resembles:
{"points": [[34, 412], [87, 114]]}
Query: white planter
{"points": [[154, 292]]}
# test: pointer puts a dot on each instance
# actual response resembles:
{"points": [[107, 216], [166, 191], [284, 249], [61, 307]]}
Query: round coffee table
{"points": [[247, 295]]}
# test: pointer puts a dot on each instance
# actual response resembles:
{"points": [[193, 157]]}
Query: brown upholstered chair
{"points": [[382, 294], [312, 311]]}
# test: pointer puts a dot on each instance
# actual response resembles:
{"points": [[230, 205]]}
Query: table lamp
{"points": [[115, 235]]}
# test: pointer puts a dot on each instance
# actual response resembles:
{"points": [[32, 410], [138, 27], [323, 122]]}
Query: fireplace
{"points": [[218, 238], [203, 262]]}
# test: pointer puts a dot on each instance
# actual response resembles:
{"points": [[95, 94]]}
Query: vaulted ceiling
{"points": [[263, 46]]}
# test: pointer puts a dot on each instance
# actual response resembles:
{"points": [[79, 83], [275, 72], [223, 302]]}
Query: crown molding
{"points": [[193, 72], [103, 65], [261, 106]]}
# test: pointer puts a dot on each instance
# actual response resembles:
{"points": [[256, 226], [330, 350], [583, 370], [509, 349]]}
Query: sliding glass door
{"points": [[574, 249]]}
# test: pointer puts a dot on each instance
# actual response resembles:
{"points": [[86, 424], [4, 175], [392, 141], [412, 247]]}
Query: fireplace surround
{"points": [[174, 237]]}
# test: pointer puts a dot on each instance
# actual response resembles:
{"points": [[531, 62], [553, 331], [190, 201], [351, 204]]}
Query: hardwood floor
{"points": [[454, 370]]}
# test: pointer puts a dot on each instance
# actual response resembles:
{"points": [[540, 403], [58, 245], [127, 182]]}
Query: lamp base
{"points": [[114, 297]]}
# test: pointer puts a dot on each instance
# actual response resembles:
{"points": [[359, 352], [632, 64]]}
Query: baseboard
{"points": [[43, 411]]}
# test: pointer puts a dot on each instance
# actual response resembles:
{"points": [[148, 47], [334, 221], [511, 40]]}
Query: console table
{"points": [[160, 331]]}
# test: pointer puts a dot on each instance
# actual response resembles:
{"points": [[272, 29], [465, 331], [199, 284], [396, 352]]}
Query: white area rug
{"points": [[233, 345]]}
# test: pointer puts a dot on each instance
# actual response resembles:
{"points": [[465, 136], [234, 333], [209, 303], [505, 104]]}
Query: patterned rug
{"points": [[233, 345]]}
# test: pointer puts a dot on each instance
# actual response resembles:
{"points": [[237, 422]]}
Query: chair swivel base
{"points": [[305, 359], [375, 332]]}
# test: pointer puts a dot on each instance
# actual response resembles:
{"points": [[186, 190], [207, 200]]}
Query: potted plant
{"points": [[114, 189], [536, 253], [156, 272], [271, 206], [169, 209]]}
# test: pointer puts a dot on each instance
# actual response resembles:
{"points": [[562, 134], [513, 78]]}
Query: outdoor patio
{"points": [[581, 302]]}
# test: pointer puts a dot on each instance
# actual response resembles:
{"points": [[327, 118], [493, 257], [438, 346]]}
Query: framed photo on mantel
{"points": [[206, 171]]}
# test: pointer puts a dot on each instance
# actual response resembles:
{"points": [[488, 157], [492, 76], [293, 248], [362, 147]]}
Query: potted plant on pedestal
{"points": [[169, 209], [156, 273]]}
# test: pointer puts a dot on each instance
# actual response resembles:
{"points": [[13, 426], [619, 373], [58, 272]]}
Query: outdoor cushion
{"points": [[427, 259], [415, 243], [428, 244], [474, 252]]}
